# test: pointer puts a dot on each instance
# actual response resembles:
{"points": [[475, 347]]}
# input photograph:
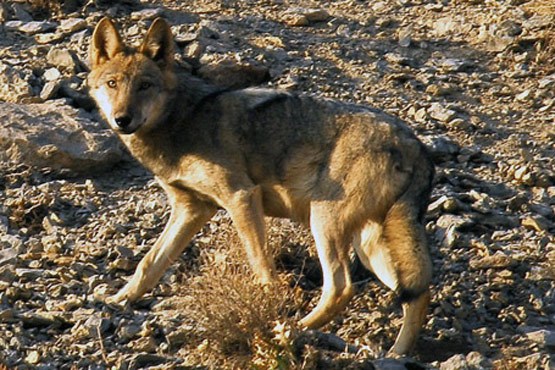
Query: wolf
{"points": [[353, 174]]}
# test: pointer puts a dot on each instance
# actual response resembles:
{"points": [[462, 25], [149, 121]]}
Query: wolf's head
{"points": [[132, 86]]}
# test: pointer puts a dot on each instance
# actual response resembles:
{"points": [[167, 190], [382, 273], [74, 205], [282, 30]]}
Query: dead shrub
{"points": [[46, 7], [545, 47], [246, 325]]}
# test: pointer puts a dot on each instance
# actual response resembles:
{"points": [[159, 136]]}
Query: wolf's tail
{"points": [[396, 250], [404, 234]]}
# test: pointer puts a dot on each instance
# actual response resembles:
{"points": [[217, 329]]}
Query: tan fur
{"points": [[348, 172]]}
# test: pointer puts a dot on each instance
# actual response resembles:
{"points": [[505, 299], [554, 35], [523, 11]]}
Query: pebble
{"points": [[52, 74], [440, 113], [33, 357], [429, 63], [537, 223], [50, 90]]}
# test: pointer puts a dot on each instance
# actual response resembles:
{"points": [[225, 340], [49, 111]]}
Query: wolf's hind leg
{"points": [[397, 252], [332, 249], [187, 217]]}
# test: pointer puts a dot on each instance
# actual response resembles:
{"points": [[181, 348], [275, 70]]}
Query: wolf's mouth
{"points": [[127, 130]]}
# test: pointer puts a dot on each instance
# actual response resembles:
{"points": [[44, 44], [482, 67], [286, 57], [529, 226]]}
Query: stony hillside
{"points": [[474, 78]]}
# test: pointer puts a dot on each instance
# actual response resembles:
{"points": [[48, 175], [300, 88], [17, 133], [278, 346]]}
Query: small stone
{"points": [[315, 15], [520, 172], [438, 90], [295, 20], [455, 362], [144, 360], [4, 224], [497, 260], [72, 25], [399, 59], [50, 90], [523, 96], [545, 338], [405, 37], [147, 344], [7, 315], [440, 113], [450, 65], [122, 264], [421, 115], [537, 223], [460, 124], [51, 74], [547, 82], [48, 38], [33, 357], [176, 338], [147, 14], [92, 327], [297, 17], [193, 50], [62, 58], [129, 331], [7, 255]]}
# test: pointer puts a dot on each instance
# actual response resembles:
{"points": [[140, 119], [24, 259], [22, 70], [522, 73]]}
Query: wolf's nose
{"points": [[123, 121]]}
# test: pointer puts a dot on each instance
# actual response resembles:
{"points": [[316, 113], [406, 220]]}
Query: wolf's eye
{"points": [[112, 84], [145, 85]]}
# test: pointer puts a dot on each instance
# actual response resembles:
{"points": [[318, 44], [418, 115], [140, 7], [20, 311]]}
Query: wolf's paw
{"points": [[119, 299]]}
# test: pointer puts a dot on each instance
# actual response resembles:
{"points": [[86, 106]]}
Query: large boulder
{"points": [[56, 136]]}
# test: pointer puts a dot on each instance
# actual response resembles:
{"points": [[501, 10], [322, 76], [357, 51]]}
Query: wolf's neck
{"points": [[191, 91], [159, 148]]}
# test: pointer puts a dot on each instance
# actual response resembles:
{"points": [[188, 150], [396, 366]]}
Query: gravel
{"points": [[469, 76]]}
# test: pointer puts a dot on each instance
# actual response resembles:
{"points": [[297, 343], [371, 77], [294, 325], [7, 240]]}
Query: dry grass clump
{"points": [[545, 48], [244, 324], [46, 6]]}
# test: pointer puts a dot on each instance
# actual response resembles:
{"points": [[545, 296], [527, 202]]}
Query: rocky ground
{"points": [[474, 78]]}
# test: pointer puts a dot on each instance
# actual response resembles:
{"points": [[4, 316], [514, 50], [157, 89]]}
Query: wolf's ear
{"points": [[158, 43], [106, 42]]}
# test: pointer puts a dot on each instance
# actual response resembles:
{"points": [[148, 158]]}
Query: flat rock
{"points": [[298, 17], [56, 136], [147, 14], [31, 28], [72, 25], [441, 113]]}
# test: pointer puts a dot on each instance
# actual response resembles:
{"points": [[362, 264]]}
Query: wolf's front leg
{"points": [[247, 213], [187, 217]]}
